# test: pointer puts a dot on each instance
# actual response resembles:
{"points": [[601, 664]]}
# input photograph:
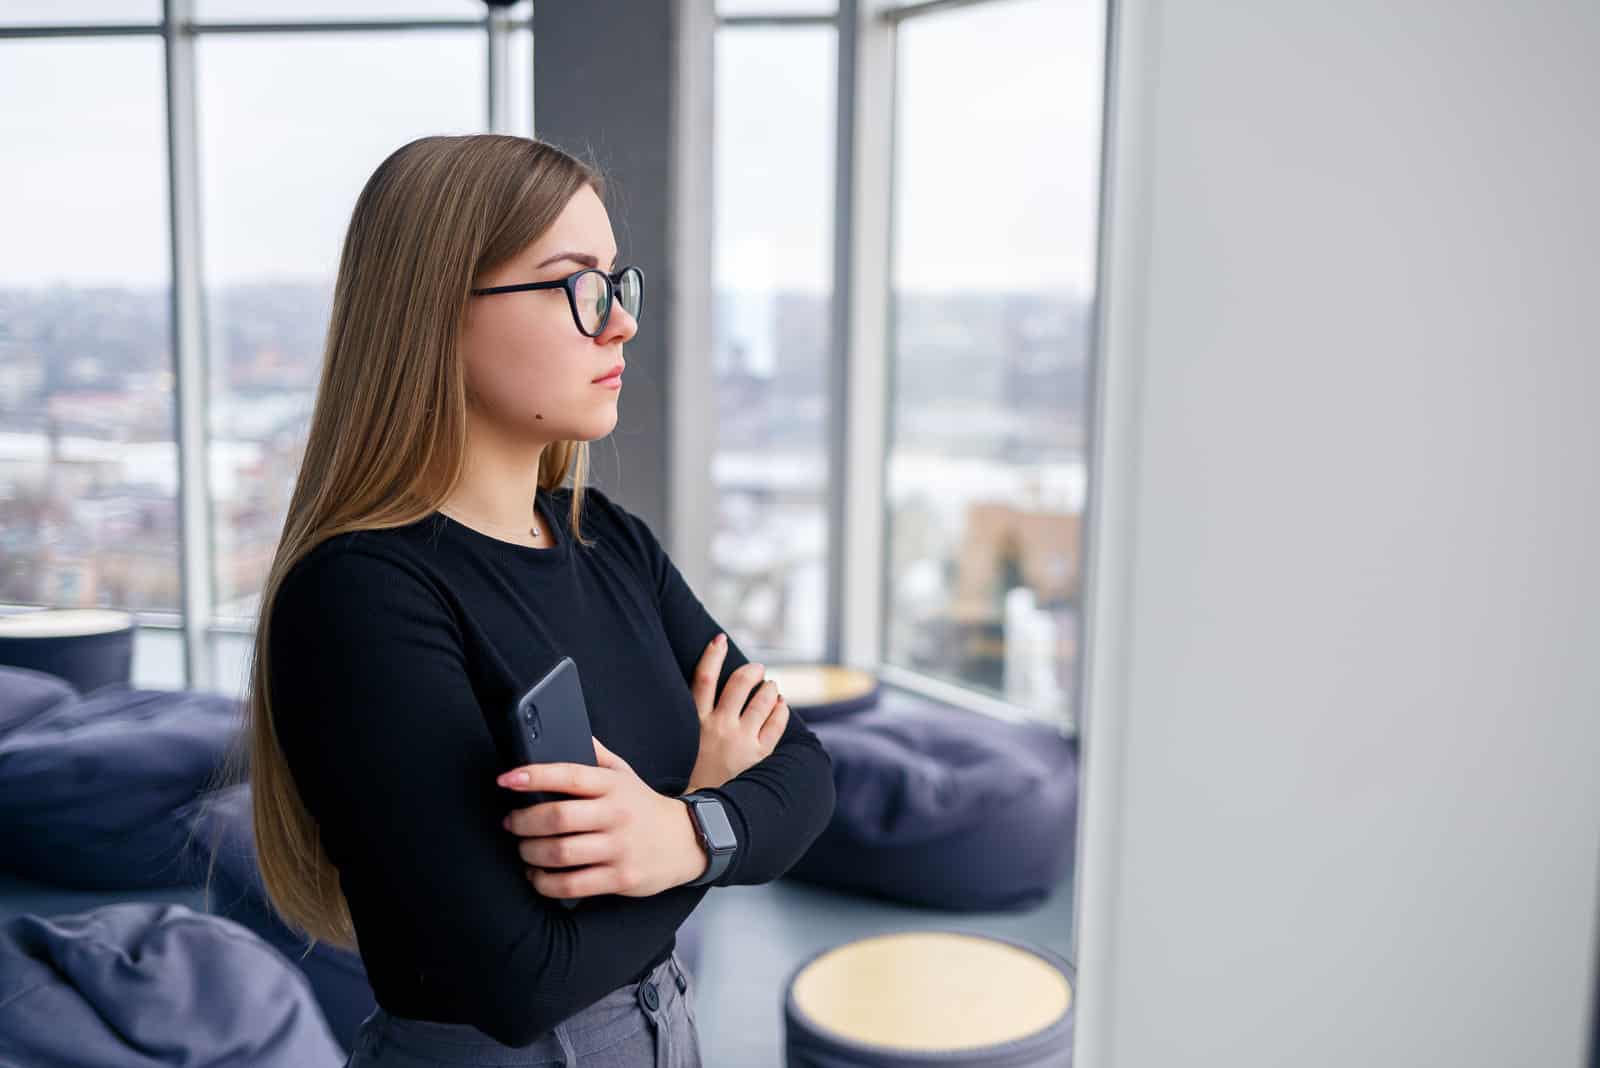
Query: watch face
{"points": [[717, 828]]}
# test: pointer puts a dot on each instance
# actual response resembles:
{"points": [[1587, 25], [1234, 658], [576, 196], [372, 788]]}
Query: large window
{"points": [[997, 136], [90, 466], [972, 240], [88, 469], [281, 165], [967, 211], [772, 303]]}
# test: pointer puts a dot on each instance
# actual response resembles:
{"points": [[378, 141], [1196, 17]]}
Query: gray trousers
{"points": [[649, 1024]]}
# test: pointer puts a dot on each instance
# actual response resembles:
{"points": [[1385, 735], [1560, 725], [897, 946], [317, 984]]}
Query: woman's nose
{"points": [[618, 324]]}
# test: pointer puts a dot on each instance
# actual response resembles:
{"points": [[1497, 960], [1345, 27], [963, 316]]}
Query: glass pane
{"points": [[88, 469], [777, 7], [519, 72], [282, 161], [78, 13], [774, 292], [992, 278], [230, 659], [157, 659], [337, 10]]}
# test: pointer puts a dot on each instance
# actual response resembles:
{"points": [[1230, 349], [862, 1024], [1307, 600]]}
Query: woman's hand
{"points": [[627, 838], [731, 741]]}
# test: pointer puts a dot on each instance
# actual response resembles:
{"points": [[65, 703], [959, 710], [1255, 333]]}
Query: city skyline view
{"points": [[88, 466]]}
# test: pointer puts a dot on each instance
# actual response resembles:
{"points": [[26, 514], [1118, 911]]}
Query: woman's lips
{"points": [[613, 381]]}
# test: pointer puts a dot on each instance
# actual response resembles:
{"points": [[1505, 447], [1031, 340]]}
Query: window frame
{"points": [[198, 623]]}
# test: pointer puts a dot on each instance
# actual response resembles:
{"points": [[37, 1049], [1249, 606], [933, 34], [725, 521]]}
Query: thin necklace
{"points": [[533, 530]]}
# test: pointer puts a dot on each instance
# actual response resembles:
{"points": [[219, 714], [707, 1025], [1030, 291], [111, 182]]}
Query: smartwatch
{"points": [[714, 831]]}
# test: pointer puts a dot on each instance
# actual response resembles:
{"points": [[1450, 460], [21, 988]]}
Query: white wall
{"points": [[1343, 744]]}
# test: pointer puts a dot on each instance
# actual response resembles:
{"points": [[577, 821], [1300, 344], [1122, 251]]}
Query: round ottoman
{"points": [[914, 999], [821, 692], [89, 647]]}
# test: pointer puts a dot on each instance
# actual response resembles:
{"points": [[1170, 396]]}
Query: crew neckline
{"points": [[473, 536]]}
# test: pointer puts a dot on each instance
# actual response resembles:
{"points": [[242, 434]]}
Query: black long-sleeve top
{"points": [[388, 651]]}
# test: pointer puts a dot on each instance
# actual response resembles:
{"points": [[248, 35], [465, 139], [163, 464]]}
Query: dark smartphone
{"points": [[549, 725]]}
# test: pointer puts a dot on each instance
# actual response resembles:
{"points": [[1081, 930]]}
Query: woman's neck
{"points": [[499, 487]]}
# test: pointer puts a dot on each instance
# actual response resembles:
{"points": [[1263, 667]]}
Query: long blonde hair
{"points": [[388, 433]]}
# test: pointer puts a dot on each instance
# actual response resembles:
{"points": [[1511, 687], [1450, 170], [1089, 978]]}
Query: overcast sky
{"points": [[997, 174]]}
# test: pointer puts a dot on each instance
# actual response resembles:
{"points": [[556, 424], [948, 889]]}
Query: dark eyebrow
{"points": [[576, 257]]}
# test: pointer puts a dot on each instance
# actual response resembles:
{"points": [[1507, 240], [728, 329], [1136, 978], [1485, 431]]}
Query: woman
{"points": [[434, 564]]}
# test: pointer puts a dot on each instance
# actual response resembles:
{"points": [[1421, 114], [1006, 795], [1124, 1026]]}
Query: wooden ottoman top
{"points": [[64, 623], [816, 684], [931, 990]]}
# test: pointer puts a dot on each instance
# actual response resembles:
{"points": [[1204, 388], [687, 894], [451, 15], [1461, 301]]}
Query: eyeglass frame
{"points": [[613, 280]]}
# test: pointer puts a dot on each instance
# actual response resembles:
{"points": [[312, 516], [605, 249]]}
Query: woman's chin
{"points": [[598, 422], [601, 425]]}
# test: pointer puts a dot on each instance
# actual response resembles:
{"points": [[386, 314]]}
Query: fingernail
{"points": [[515, 778], [722, 639]]}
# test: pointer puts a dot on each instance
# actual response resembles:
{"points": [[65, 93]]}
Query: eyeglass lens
{"points": [[592, 292]]}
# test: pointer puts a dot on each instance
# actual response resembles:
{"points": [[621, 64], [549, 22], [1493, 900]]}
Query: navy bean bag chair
{"points": [[90, 786], [140, 985], [945, 808], [221, 822], [25, 695]]}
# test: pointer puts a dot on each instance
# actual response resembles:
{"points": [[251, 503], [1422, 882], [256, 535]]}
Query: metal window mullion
{"points": [[499, 72], [836, 438], [188, 344], [860, 360], [691, 429]]}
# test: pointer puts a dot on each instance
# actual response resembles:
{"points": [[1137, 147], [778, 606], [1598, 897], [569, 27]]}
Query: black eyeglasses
{"points": [[590, 293]]}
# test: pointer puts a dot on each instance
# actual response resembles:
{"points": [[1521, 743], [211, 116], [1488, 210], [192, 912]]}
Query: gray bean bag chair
{"points": [[141, 985], [338, 978], [945, 808], [89, 786]]}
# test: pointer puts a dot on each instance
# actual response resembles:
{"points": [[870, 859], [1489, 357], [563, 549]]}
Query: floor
{"points": [[755, 937]]}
